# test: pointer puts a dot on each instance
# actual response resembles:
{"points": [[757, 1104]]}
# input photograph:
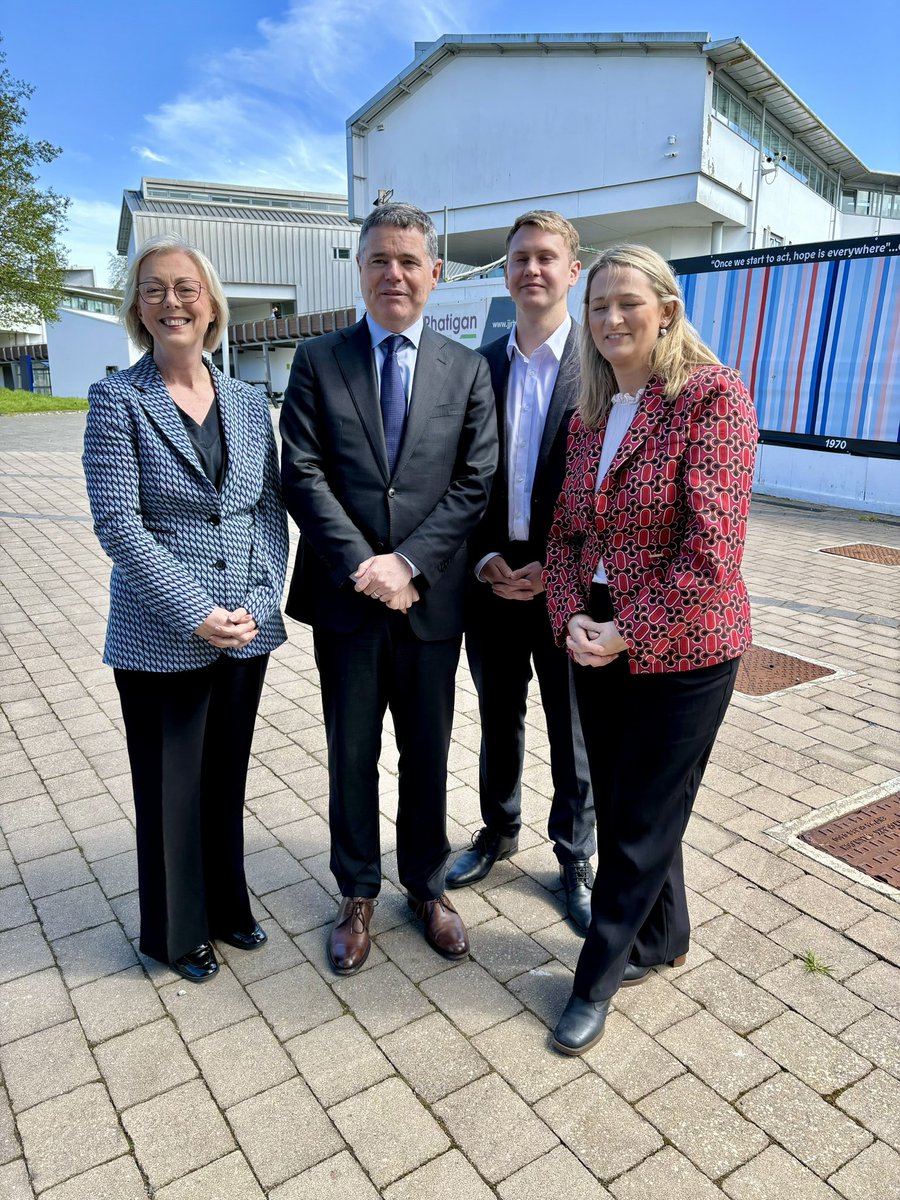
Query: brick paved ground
{"points": [[739, 1074]]}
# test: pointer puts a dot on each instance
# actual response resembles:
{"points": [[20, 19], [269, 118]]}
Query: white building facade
{"points": [[692, 146], [87, 340]]}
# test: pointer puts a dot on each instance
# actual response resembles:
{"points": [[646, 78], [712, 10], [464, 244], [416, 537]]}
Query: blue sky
{"points": [[258, 92]]}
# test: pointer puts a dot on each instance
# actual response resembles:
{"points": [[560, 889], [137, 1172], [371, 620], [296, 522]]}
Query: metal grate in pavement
{"points": [[867, 552], [763, 671], [867, 839]]}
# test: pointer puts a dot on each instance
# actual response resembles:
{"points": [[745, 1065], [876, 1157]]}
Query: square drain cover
{"points": [[763, 671], [867, 839], [867, 552]]}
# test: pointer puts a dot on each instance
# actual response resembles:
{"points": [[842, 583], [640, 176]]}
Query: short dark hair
{"points": [[402, 216]]}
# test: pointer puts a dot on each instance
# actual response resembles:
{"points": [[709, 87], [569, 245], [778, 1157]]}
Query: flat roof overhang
{"points": [[478, 234], [288, 331]]}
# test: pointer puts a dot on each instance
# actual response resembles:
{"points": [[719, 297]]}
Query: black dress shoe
{"points": [[250, 940], [578, 879], [581, 1025], [634, 974], [198, 966], [474, 864]]}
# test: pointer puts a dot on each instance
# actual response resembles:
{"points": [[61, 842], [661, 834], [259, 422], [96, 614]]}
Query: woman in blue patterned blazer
{"points": [[182, 476]]}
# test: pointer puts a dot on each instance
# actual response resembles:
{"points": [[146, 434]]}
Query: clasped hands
{"points": [[388, 578], [522, 584], [593, 643], [228, 630]]}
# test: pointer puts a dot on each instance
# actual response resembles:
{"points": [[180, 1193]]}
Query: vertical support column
{"points": [[838, 201], [715, 238], [267, 368], [226, 361], [759, 176]]}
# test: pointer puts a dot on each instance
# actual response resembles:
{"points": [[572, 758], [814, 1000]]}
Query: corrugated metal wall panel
{"points": [[257, 253]]}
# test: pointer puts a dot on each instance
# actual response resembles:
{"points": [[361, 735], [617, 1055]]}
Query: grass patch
{"points": [[14, 401], [814, 965]]}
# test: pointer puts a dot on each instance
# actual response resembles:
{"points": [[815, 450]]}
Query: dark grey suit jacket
{"points": [[338, 487], [493, 532]]}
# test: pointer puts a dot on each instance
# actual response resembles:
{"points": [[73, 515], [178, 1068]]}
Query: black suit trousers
{"points": [[503, 639], [189, 735], [648, 738], [382, 665]]}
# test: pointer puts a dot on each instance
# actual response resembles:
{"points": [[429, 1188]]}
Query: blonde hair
{"points": [[161, 244], [672, 358], [549, 222]]}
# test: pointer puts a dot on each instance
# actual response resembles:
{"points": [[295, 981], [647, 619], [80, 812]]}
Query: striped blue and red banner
{"points": [[815, 333]]}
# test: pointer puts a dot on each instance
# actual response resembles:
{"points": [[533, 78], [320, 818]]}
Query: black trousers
{"points": [[649, 738], [382, 665], [503, 639], [189, 735]]}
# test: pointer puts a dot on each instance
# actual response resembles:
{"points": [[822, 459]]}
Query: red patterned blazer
{"points": [[669, 522]]}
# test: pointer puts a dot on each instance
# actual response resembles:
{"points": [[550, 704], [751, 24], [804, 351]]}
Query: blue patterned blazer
{"points": [[179, 547]]}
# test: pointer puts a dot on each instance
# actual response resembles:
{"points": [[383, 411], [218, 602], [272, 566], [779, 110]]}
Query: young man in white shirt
{"points": [[535, 376]]}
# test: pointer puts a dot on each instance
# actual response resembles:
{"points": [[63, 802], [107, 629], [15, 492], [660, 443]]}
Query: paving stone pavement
{"points": [[739, 1074]]}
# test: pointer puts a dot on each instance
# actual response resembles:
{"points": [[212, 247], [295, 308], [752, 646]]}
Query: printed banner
{"points": [[815, 333]]}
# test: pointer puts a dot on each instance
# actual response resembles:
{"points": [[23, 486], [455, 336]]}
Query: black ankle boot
{"points": [[581, 1025]]}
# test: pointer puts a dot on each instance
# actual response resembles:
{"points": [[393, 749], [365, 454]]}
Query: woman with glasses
{"points": [[182, 477], [644, 588]]}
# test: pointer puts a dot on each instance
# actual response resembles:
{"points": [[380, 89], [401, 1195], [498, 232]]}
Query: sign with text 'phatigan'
{"points": [[474, 324]]}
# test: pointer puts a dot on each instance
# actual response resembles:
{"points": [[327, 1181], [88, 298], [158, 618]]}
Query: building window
{"points": [[89, 304], [866, 202], [245, 201], [774, 239], [341, 252], [740, 118], [112, 370]]}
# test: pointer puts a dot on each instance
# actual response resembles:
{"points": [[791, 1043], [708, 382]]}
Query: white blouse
{"points": [[622, 413]]}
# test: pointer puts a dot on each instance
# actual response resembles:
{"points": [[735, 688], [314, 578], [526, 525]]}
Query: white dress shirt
{"points": [[622, 413], [528, 394], [406, 355]]}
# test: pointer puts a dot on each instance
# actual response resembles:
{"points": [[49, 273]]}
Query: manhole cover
{"points": [[867, 839], [867, 552], [763, 671]]}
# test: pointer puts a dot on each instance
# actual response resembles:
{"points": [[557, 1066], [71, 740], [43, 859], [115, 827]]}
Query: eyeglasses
{"points": [[186, 291]]}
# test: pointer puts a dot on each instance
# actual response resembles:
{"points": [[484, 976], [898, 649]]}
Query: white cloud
{"points": [[91, 234], [273, 113], [241, 139], [333, 48], [149, 155]]}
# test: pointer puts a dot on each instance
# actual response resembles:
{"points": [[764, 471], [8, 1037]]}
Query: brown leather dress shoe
{"points": [[348, 942], [444, 929]]}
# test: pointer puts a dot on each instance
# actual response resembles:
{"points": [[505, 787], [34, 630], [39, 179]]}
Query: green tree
{"points": [[32, 261], [117, 271]]}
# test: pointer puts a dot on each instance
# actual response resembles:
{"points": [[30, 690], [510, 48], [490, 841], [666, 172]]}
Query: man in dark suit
{"points": [[535, 377], [389, 447]]}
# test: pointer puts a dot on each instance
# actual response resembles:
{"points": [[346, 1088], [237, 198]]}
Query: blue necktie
{"points": [[393, 398]]}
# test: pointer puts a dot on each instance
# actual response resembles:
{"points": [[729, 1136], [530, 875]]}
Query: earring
{"points": [[663, 331]]}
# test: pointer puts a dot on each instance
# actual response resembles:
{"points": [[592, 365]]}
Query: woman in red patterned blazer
{"points": [[644, 588]]}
